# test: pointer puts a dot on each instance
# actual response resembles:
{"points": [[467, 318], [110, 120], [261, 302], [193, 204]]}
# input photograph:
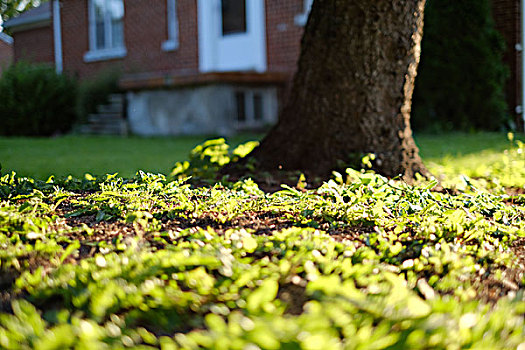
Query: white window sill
{"points": [[300, 20], [106, 54], [170, 45]]}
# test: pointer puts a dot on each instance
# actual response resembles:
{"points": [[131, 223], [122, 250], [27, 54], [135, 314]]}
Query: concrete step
{"points": [[104, 125], [87, 129], [102, 109], [109, 120], [116, 99], [105, 118]]}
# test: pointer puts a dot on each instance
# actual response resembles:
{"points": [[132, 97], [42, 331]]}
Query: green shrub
{"points": [[208, 158], [36, 101], [461, 78], [94, 92]]}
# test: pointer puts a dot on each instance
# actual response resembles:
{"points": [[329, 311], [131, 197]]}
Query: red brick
{"points": [[145, 29], [6, 54], [34, 45]]}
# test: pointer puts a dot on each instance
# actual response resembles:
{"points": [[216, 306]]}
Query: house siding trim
{"points": [[41, 22], [206, 22], [106, 54], [301, 19], [221, 53], [6, 38], [28, 23], [522, 28], [172, 43], [57, 35]]}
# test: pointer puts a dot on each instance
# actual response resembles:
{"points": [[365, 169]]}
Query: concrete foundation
{"points": [[212, 109]]}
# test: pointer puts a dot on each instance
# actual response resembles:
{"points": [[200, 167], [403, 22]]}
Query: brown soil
{"points": [[512, 278]]}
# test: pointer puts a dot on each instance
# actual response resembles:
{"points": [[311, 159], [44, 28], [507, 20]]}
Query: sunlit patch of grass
{"points": [[485, 161], [76, 155]]}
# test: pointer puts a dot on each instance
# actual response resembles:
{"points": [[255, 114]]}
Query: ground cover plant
{"points": [[359, 262]]}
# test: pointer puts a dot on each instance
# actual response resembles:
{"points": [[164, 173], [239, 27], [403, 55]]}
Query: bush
{"points": [[208, 158], [461, 76], [95, 92], [36, 101]]}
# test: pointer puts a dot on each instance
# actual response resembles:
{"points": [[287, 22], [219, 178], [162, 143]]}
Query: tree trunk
{"points": [[352, 92]]}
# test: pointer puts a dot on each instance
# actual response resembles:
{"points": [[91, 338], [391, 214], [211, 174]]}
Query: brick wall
{"points": [[35, 45], [145, 29], [507, 17], [6, 54], [283, 35]]}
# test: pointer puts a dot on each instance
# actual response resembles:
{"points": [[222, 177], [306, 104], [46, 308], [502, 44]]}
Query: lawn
{"points": [[482, 156], [77, 155], [361, 262]]}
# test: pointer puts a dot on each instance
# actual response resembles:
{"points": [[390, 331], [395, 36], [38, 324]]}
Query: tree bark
{"points": [[352, 92]]}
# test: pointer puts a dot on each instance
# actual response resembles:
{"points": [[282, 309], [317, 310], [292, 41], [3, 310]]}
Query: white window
{"points": [[301, 18], [173, 27], [106, 30], [255, 107]]}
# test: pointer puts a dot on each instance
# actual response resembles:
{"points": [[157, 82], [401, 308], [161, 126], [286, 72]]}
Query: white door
{"points": [[232, 35]]}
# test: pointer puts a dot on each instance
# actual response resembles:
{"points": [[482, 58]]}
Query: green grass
{"points": [[76, 155], [485, 157], [463, 151], [434, 147]]}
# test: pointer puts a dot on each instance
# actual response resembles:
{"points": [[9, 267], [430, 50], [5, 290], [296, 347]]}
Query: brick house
{"points": [[190, 66], [6, 51], [194, 66]]}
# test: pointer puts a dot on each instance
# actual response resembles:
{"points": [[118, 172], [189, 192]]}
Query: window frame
{"points": [[301, 19], [172, 43], [99, 54], [249, 112], [234, 32]]}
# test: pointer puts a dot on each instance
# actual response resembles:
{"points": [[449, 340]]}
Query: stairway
{"points": [[109, 119]]}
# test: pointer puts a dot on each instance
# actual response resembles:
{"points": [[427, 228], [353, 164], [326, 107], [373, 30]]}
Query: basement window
{"points": [[240, 99], [258, 111], [253, 108]]}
